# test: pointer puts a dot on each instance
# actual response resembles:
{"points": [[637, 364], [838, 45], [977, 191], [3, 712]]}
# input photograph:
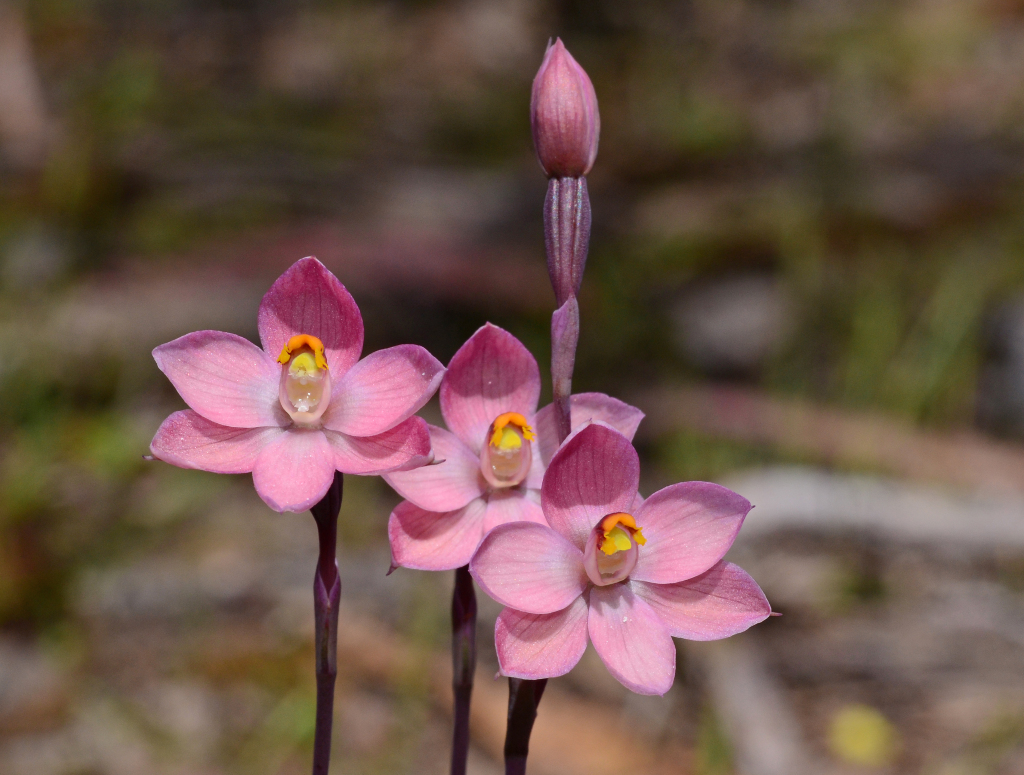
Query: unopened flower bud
{"points": [[563, 112]]}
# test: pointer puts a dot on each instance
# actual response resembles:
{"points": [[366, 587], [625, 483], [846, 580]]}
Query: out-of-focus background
{"points": [[807, 267]]}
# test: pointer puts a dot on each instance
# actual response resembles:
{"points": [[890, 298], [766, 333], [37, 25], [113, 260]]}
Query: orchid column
{"points": [[566, 126]]}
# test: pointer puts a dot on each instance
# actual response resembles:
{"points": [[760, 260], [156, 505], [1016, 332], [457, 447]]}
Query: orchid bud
{"points": [[563, 112]]}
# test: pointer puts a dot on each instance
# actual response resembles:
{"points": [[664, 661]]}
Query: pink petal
{"points": [[188, 440], [505, 506], [631, 640], [593, 474], [426, 540], [541, 645], [225, 378], [307, 299], [443, 486], [720, 602], [491, 374], [529, 567], [294, 471], [383, 389], [407, 445], [585, 407], [689, 527], [539, 466]]}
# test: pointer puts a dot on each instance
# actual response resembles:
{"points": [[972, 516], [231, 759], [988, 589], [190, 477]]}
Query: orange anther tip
{"points": [[304, 340], [618, 518], [511, 418]]}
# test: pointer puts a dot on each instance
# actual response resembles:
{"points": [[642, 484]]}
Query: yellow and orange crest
{"points": [[620, 531], [504, 437], [304, 340]]}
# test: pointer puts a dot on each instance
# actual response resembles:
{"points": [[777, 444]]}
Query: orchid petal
{"points": [[689, 527], [541, 645], [308, 299], [188, 440], [506, 506], [405, 446], [446, 485], [492, 373], [294, 471], [716, 604], [529, 567], [383, 389], [427, 540], [631, 640], [225, 378], [584, 408], [594, 473]]}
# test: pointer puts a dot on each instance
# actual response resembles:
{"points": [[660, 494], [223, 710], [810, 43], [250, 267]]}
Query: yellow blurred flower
{"points": [[859, 734]]}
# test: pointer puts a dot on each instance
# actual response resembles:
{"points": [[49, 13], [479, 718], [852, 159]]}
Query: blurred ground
{"points": [[806, 267]]}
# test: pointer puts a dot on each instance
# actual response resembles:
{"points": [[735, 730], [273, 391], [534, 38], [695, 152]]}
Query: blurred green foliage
{"points": [[713, 755], [690, 456]]}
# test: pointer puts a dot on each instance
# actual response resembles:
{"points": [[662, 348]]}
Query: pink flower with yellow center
{"points": [[494, 454], [629, 575], [305, 405]]}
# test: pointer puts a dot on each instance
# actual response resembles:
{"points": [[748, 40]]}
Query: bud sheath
{"points": [[566, 234]]}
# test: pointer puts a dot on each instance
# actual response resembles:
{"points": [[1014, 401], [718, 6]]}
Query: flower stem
{"points": [[566, 239], [523, 698], [565, 333], [463, 663], [326, 595]]}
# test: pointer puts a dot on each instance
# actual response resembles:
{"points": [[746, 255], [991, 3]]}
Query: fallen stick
{"points": [[856, 439], [807, 499], [752, 707]]}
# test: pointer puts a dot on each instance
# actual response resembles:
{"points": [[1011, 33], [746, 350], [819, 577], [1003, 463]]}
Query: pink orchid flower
{"points": [[631, 576], [305, 405], [494, 454]]}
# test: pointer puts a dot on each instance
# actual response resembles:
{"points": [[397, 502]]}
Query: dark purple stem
{"points": [[326, 595], [523, 698], [463, 663]]}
